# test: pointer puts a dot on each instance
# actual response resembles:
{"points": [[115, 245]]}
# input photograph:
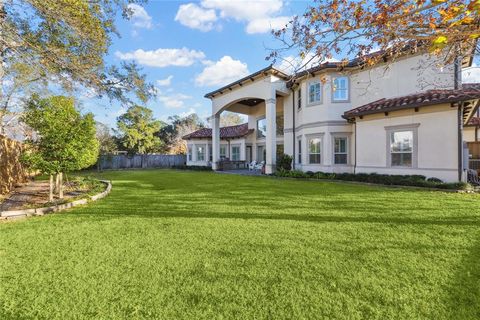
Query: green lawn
{"points": [[198, 245]]}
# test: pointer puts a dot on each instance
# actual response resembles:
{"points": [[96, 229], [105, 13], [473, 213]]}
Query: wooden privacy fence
{"points": [[11, 170], [140, 161]]}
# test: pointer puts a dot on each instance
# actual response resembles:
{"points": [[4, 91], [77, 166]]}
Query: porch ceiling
{"points": [[251, 102]]}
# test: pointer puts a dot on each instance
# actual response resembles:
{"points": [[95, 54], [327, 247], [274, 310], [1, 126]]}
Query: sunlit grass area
{"points": [[200, 245]]}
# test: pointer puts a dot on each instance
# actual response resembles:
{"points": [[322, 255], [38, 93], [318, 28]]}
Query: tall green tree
{"points": [[172, 134], [64, 139], [64, 42], [137, 129], [106, 140]]}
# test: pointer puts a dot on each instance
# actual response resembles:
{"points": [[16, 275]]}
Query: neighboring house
{"points": [[235, 144], [397, 117]]}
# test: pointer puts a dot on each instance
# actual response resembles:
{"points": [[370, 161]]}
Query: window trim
{"points": [[336, 135], [256, 127], [239, 146], [333, 77], [299, 98], [189, 153], [408, 127], [299, 155], [314, 103], [204, 151], [322, 149]]}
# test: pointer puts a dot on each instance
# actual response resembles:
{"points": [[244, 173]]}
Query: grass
{"points": [[199, 245]]}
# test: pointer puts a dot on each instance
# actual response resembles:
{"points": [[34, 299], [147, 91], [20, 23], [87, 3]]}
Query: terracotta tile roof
{"points": [[469, 91], [230, 132]]}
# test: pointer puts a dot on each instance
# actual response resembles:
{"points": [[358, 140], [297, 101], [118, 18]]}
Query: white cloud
{"points": [[247, 10], [260, 15], [187, 113], [174, 101], [140, 18], [165, 82], [472, 74], [264, 25], [195, 17], [222, 72], [163, 57]]}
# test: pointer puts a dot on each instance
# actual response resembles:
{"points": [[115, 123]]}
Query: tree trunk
{"points": [[50, 195], [60, 185]]}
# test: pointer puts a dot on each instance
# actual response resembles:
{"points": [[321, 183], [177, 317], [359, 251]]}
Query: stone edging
{"points": [[17, 214]]}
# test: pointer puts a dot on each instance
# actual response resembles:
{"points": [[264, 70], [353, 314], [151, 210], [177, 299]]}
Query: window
{"points": [[340, 151], [223, 152], [210, 153], [201, 153], [300, 151], [314, 92], [261, 128], [401, 148], [189, 153], [280, 122], [340, 89], [261, 153], [314, 150], [235, 153], [299, 98]]}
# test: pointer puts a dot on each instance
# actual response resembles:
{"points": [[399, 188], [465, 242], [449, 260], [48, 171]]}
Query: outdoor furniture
{"points": [[259, 166], [252, 165], [232, 164]]}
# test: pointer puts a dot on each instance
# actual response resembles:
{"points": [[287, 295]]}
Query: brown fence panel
{"points": [[140, 161], [11, 170]]}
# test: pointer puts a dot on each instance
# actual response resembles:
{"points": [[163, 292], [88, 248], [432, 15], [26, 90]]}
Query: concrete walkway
{"points": [[242, 172]]}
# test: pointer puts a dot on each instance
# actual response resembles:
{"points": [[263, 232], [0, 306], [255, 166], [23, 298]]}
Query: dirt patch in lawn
{"points": [[34, 194]]}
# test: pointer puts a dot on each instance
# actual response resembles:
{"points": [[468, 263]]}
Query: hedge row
{"points": [[194, 168], [385, 179]]}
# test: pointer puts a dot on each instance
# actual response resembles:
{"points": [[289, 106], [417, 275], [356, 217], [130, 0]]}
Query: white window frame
{"points": [[204, 153], [299, 150], [258, 131], [189, 153], [309, 138], [239, 152], [347, 99], [319, 101], [402, 128], [299, 98], [347, 148], [224, 155]]}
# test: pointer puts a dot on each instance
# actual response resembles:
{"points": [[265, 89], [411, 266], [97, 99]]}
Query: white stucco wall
{"points": [[437, 142], [469, 134]]}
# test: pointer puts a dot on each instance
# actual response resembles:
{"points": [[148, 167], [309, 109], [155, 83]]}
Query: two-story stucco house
{"points": [[405, 116]]}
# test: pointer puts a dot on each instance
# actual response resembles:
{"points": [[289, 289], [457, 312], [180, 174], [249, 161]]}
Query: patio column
{"points": [[215, 141], [271, 138]]}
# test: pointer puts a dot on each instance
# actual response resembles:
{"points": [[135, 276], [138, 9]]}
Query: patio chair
{"points": [[259, 166], [251, 166]]}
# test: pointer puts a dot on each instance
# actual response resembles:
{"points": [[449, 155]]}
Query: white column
{"points": [[271, 139], [215, 141]]}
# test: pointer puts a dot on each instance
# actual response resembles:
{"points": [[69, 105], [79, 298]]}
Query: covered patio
{"points": [[259, 96]]}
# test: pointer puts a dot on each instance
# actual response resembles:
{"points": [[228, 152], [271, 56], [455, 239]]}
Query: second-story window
{"points": [[299, 98], [340, 89], [314, 92]]}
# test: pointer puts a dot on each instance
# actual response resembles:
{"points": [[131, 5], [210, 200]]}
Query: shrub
{"points": [[194, 168], [284, 162], [385, 179]]}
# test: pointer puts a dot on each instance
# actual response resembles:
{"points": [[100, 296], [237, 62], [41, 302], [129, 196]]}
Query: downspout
{"points": [[293, 128]]}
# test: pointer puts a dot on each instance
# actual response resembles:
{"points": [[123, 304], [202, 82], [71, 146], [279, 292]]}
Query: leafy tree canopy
{"points": [[172, 133], [65, 42], [137, 129], [64, 139], [349, 28]]}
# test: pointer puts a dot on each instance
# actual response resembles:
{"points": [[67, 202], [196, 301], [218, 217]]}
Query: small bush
{"points": [[284, 162], [435, 180]]}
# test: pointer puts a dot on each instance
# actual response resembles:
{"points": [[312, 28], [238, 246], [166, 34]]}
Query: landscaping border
{"points": [[18, 214]]}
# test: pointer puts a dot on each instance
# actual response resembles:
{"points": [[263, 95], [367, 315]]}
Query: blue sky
{"points": [[190, 48]]}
